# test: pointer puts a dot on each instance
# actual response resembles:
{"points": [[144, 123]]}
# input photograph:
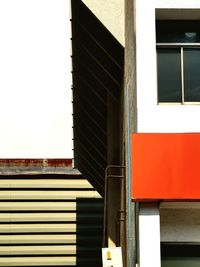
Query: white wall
{"points": [[153, 117], [35, 80]]}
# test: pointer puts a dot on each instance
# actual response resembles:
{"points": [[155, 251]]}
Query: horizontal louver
{"points": [[48, 221]]}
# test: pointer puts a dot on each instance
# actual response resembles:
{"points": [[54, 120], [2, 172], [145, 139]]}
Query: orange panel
{"points": [[165, 166]]}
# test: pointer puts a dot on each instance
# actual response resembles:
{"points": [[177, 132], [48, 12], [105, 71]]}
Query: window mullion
{"points": [[182, 75]]}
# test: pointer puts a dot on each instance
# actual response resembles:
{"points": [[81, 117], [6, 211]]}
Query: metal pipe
{"points": [[104, 244]]}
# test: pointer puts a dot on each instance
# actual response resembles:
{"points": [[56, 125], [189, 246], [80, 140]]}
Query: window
{"points": [[180, 255], [178, 61]]}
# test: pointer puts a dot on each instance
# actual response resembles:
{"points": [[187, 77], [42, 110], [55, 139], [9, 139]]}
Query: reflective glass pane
{"points": [[192, 74], [181, 262], [169, 75]]}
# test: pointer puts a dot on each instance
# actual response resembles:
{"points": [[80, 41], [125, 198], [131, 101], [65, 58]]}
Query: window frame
{"points": [[181, 46]]}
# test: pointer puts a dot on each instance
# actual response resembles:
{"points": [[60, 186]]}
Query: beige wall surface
{"points": [[111, 14]]}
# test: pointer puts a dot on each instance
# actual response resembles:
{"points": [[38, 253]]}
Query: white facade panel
{"points": [[35, 81], [149, 235], [151, 116]]}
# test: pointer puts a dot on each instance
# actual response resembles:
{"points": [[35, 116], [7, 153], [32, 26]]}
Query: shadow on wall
{"points": [[98, 60]]}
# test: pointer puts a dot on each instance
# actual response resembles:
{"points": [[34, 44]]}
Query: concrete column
{"points": [[113, 158], [149, 235]]}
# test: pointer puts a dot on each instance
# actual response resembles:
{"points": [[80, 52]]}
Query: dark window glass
{"points": [[180, 255], [177, 31], [192, 74], [180, 262], [169, 75]]}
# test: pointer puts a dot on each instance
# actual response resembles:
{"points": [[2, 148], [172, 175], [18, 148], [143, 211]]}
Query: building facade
{"points": [[135, 100], [164, 131]]}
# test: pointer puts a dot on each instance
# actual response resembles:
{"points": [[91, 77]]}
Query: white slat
{"points": [[46, 228], [37, 228], [37, 217], [38, 239], [37, 250], [34, 206], [45, 183], [41, 261], [48, 206], [45, 195]]}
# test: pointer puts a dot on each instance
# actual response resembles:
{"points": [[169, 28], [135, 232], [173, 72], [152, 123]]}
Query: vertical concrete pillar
{"points": [[149, 235], [130, 124]]}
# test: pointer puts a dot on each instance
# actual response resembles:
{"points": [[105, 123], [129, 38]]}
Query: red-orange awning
{"points": [[165, 166]]}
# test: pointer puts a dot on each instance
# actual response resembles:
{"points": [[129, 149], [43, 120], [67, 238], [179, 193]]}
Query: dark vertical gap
{"points": [[89, 241]]}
